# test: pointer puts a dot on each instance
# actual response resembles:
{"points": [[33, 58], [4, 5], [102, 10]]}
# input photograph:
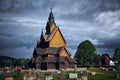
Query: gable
{"points": [[64, 53], [57, 39]]}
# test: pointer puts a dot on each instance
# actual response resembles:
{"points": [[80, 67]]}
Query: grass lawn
{"points": [[101, 74], [100, 77]]}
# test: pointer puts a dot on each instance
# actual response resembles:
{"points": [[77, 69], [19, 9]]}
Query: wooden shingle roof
{"points": [[49, 50]]}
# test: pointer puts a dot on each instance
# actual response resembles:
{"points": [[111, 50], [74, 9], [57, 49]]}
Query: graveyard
{"points": [[79, 74]]}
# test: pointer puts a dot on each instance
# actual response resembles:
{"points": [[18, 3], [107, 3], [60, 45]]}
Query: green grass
{"points": [[100, 70], [101, 74], [100, 77]]}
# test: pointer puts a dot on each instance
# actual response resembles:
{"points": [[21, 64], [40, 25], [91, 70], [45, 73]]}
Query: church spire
{"points": [[51, 17], [42, 32]]}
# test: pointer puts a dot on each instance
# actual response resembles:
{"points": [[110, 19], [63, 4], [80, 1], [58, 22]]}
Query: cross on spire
{"points": [[51, 6], [51, 17]]}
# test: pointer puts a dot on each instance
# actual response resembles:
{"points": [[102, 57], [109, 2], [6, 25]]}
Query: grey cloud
{"points": [[22, 5], [110, 5], [19, 52], [15, 35], [86, 9], [96, 20]]}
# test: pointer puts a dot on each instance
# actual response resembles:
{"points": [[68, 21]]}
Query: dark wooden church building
{"points": [[50, 51]]}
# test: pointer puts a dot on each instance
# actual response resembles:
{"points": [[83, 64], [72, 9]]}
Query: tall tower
{"points": [[51, 52]]}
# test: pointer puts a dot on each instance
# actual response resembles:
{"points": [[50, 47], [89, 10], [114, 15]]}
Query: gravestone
{"points": [[78, 79], [73, 75], [84, 75], [31, 78], [49, 77], [40, 74], [106, 69], [63, 72], [25, 77], [9, 78], [93, 73], [1, 73], [118, 76], [75, 68], [40, 78], [18, 72], [59, 72], [61, 77]]}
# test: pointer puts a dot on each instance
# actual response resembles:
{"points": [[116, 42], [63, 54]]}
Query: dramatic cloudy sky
{"points": [[21, 22]]}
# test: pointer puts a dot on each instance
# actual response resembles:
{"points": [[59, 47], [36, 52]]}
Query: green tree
{"points": [[21, 62], [85, 54], [116, 56]]}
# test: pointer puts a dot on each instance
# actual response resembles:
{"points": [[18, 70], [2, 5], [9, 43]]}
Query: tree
{"points": [[85, 54], [21, 62], [116, 56]]}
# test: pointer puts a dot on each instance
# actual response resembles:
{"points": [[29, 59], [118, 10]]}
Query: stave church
{"points": [[50, 51]]}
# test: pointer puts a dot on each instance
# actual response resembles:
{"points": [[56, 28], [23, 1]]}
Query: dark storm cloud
{"points": [[21, 22], [21, 5], [110, 5], [86, 9], [15, 5], [13, 37]]}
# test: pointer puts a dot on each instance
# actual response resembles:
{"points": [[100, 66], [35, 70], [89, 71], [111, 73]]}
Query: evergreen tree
{"points": [[116, 56], [85, 54]]}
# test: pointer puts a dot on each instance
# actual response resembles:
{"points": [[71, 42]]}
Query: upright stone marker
{"points": [[9, 78], [84, 75], [118, 76], [61, 77], [73, 76]]}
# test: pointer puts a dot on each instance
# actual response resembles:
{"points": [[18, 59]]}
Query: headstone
{"points": [[40, 75], [78, 79], [25, 77], [59, 72], [73, 75], [103, 68], [49, 77], [93, 73], [18, 72], [118, 76], [63, 72], [106, 69], [40, 78], [114, 69], [84, 75], [62, 77], [1, 72], [110, 68], [9, 78], [8, 71], [30, 71], [31, 78], [75, 68]]}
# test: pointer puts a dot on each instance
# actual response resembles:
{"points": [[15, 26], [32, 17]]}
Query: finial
{"points": [[51, 6]]}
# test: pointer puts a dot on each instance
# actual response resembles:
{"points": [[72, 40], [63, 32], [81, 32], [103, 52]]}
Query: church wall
{"points": [[64, 53], [57, 40], [62, 65], [51, 65]]}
